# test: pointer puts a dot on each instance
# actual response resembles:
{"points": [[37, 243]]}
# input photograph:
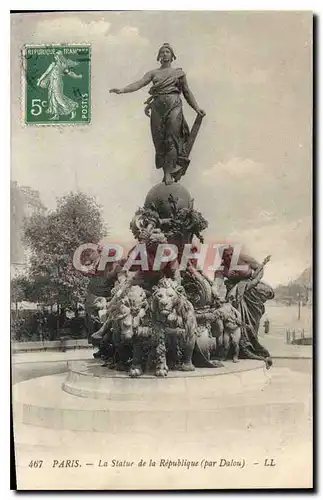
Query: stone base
{"points": [[88, 379], [98, 399]]}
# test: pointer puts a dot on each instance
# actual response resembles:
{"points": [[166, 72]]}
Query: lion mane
{"points": [[171, 307]]}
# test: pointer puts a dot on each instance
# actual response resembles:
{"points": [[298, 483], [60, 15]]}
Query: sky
{"points": [[251, 165]]}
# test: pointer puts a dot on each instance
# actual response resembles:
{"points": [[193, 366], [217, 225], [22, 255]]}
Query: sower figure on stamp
{"points": [[170, 132], [52, 79]]}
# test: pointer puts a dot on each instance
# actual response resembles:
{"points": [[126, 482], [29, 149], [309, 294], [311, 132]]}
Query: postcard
{"points": [[161, 250]]}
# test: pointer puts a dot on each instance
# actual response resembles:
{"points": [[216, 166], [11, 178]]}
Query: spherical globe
{"points": [[159, 196]]}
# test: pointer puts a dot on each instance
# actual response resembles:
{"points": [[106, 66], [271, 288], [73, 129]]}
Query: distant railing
{"points": [[299, 337]]}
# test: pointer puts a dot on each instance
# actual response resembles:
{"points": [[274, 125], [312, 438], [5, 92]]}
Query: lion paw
{"points": [[188, 367], [235, 359], [175, 366], [109, 363], [162, 372], [268, 362], [217, 363], [135, 371]]}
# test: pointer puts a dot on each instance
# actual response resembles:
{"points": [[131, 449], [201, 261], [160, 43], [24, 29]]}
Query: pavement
{"points": [[50, 356], [279, 349]]}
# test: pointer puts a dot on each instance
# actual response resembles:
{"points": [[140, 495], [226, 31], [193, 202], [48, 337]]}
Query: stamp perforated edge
{"points": [[23, 118]]}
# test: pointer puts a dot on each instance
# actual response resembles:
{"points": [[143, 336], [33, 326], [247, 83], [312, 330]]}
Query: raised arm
{"points": [[254, 265], [247, 259], [136, 85], [190, 97], [45, 73]]}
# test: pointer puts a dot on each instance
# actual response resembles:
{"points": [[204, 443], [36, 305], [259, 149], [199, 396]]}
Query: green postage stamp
{"points": [[57, 84]]}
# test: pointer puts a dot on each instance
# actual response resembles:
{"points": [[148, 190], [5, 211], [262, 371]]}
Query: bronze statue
{"points": [[170, 132], [227, 321], [173, 318], [248, 293]]}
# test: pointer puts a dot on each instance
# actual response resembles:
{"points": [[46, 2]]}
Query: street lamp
{"points": [[299, 305]]}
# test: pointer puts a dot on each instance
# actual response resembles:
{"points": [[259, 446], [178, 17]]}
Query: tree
{"points": [[20, 290], [52, 239]]}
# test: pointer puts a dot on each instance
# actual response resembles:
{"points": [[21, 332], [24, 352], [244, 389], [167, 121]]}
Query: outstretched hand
{"points": [[201, 112], [115, 91]]}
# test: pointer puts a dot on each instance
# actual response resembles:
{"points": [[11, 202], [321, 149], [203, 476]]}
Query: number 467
{"points": [[36, 463], [37, 106]]}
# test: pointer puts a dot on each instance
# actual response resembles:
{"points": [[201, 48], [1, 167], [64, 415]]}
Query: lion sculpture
{"points": [[174, 317], [154, 329], [170, 332], [127, 314]]}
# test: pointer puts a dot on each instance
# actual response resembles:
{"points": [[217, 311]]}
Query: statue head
{"points": [[61, 59], [227, 255], [218, 301], [170, 305], [166, 53], [58, 55], [167, 297], [132, 308], [232, 298]]}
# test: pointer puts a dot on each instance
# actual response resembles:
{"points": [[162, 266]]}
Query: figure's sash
{"points": [[167, 84]]}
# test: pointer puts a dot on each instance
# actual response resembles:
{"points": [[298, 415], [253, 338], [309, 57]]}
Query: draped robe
{"points": [[169, 129]]}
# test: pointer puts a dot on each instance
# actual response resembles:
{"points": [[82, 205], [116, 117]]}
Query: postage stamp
{"points": [[161, 306], [57, 84]]}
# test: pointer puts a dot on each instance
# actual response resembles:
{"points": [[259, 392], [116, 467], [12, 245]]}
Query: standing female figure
{"points": [[169, 129], [52, 79]]}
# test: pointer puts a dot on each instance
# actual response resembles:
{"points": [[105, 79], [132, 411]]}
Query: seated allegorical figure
{"points": [[248, 293]]}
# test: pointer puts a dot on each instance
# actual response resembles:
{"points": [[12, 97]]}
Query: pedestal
{"points": [[93, 398]]}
